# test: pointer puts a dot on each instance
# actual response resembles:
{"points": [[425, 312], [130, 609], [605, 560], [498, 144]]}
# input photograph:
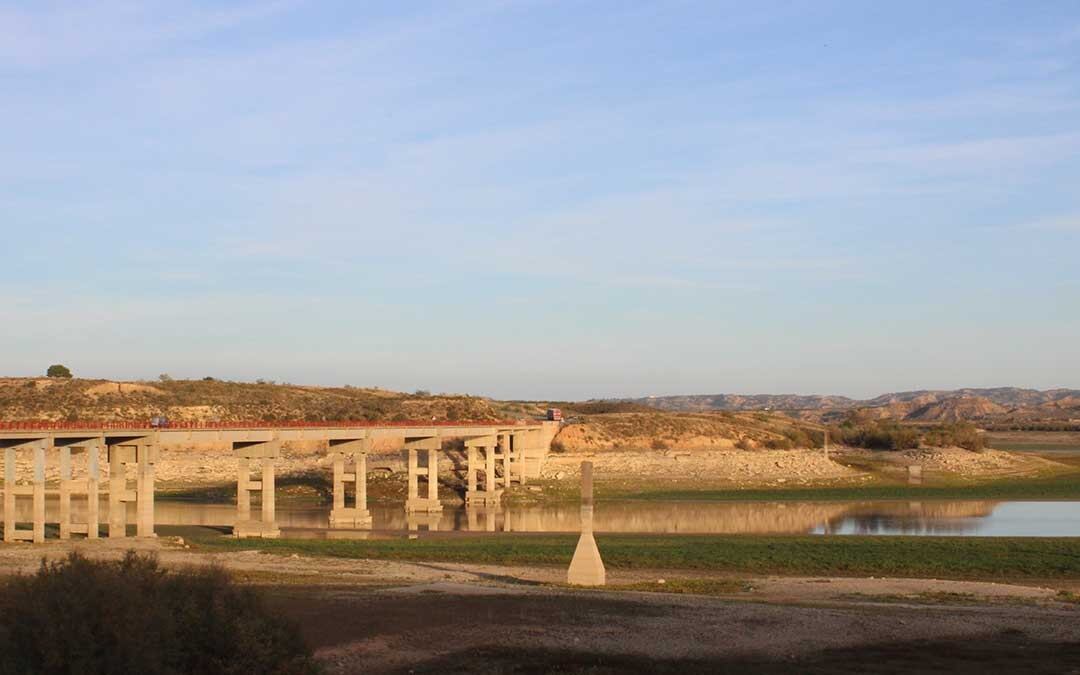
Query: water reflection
{"points": [[983, 518]]}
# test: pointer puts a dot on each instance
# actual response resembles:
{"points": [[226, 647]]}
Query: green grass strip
{"points": [[941, 557], [1062, 487]]}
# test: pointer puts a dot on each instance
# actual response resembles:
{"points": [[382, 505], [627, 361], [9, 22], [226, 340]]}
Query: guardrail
{"points": [[288, 424]]}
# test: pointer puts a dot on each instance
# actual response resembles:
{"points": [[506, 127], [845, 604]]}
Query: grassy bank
{"points": [[1064, 486], [938, 557]]}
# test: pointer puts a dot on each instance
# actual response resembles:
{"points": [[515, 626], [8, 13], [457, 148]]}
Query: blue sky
{"points": [[544, 199]]}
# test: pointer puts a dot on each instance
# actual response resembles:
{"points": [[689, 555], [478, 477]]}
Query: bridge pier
{"points": [[36, 492], [264, 452], [490, 495], [82, 488], [9, 495], [143, 454], [89, 488], [65, 492], [430, 473], [503, 457], [349, 459], [39, 493]]}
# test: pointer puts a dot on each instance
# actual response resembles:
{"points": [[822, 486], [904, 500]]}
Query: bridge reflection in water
{"points": [[871, 517]]}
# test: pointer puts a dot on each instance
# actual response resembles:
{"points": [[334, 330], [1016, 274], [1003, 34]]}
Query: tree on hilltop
{"points": [[57, 370]]}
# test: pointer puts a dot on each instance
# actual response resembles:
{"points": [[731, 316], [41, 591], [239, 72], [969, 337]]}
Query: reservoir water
{"points": [[937, 517]]}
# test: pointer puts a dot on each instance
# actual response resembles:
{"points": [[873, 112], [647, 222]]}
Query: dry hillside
{"points": [[956, 410], [1002, 407], [685, 431], [218, 401]]}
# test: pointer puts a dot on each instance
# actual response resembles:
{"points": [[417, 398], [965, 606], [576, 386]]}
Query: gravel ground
{"points": [[387, 616]]}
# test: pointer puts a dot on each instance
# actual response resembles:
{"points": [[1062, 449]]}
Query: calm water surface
{"points": [[939, 517]]}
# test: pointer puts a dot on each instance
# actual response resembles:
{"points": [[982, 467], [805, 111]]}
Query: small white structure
{"points": [[586, 569]]}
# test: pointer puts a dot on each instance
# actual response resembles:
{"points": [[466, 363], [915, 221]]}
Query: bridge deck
{"points": [[256, 431]]}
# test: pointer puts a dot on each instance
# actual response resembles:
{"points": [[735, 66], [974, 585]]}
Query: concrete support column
{"points": [[269, 493], [517, 446], [117, 488], [472, 469], [339, 481], [65, 492], [489, 469], [144, 503], [39, 493], [433, 475], [349, 460], [504, 456], [266, 452], [490, 494], [429, 503], [243, 492], [9, 495], [361, 485], [413, 466], [93, 477]]}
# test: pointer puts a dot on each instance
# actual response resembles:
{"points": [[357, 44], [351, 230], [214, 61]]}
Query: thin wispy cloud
{"points": [[678, 180]]}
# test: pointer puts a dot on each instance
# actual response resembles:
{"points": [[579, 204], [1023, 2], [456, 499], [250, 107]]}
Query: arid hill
{"points": [[686, 431], [998, 407], [218, 401], [956, 410], [737, 402]]}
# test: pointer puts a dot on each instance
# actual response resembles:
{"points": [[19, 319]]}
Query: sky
{"points": [[543, 199]]}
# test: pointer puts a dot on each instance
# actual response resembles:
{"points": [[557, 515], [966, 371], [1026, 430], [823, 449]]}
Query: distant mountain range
{"points": [[1000, 404]]}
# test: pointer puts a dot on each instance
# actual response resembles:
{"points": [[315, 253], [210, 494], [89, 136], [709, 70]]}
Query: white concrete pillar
{"points": [[339, 481], [144, 521], [433, 475], [65, 492], [93, 476], [517, 446], [39, 493], [414, 490], [117, 488], [361, 481], [9, 495], [269, 493], [489, 469], [243, 495], [472, 469], [503, 456]]}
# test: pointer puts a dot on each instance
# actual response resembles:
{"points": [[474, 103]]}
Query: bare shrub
{"points": [[132, 616]]}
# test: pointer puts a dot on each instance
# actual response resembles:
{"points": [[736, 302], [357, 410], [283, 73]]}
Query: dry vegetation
{"points": [[687, 431], [133, 616], [220, 401]]}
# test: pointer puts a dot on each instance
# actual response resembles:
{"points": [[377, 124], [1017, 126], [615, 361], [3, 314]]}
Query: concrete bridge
{"points": [[499, 454]]}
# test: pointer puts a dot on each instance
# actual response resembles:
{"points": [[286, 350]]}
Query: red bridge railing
{"points": [[288, 424]]}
